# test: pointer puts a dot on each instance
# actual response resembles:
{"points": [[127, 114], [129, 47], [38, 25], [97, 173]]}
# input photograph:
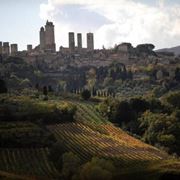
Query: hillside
{"points": [[175, 50], [89, 136]]}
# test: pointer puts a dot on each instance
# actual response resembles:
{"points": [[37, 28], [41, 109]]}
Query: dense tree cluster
{"points": [[20, 108], [156, 122]]}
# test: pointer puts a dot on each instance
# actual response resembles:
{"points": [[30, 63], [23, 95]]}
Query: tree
{"points": [[97, 169], [174, 99], [86, 94], [56, 154], [162, 129], [50, 88], [3, 88], [45, 93], [124, 112], [25, 83], [139, 104], [71, 163]]}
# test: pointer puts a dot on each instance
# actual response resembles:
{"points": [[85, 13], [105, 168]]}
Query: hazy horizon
{"points": [[112, 22]]}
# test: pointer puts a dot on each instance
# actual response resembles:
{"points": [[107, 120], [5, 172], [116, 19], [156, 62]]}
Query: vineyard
{"points": [[31, 162], [86, 113], [88, 143], [91, 135]]}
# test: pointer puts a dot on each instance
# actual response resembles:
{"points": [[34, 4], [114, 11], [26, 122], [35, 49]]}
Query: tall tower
{"points": [[29, 48], [90, 41], [49, 37], [71, 41], [79, 40], [14, 49], [6, 48], [1, 48], [42, 38]]}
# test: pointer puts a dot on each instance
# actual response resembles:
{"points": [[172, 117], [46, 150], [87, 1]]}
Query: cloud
{"points": [[115, 21]]}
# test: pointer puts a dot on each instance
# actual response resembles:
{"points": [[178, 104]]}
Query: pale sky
{"points": [[111, 21]]}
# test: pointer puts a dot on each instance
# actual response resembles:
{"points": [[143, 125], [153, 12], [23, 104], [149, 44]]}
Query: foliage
{"points": [[86, 94], [23, 108], [120, 112], [174, 99], [97, 169], [159, 91], [56, 153], [24, 134], [161, 129], [139, 104], [71, 164], [3, 87], [149, 118]]}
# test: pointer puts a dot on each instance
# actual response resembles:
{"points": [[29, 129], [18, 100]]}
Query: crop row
{"points": [[87, 113], [87, 143], [30, 162]]}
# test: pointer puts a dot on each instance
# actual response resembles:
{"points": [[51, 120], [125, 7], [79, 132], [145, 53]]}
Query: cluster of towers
{"points": [[90, 41], [47, 38], [47, 42], [7, 49]]}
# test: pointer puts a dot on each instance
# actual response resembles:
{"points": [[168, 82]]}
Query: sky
{"points": [[111, 21]]}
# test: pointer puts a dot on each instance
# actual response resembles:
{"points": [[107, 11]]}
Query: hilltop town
{"points": [[72, 68]]}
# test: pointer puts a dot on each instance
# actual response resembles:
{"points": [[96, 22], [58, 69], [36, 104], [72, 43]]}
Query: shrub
{"points": [[71, 163], [174, 99], [97, 169]]}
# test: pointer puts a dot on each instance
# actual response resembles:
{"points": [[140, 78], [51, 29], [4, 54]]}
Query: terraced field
{"points": [[86, 113], [91, 136], [32, 163]]}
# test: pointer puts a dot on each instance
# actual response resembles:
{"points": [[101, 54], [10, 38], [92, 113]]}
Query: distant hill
{"points": [[175, 50]]}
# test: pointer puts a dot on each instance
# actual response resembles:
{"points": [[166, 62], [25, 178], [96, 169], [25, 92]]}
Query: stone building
{"points": [[79, 41], [6, 48], [71, 41], [1, 48], [14, 49], [124, 47], [47, 38], [90, 41]]}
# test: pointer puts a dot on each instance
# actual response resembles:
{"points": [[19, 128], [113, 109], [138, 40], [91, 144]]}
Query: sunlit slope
{"points": [[91, 136], [87, 113]]}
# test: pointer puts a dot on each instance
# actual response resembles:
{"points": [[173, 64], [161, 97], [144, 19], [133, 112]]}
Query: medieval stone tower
{"points": [[47, 38], [1, 47], [71, 41], [90, 41], [6, 50], [42, 38], [14, 49], [79, 40], [29, 48]]}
